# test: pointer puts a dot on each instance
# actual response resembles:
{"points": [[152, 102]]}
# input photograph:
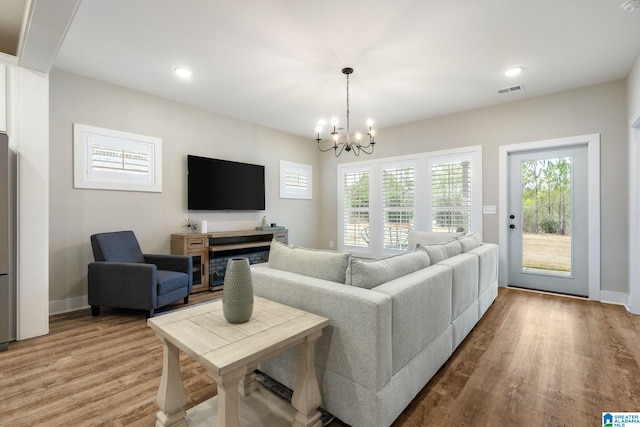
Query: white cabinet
{"points": [[3, 98]]}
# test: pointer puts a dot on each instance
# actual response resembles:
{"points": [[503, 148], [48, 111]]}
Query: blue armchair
{"points": [[122, 276]]}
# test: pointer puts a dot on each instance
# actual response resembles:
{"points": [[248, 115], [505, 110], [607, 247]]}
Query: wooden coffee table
{"points": [[231, 352]]}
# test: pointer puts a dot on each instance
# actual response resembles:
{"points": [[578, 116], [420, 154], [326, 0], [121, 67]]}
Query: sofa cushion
{"points": [[436, 252], [425, 238], [369, 274], [464, 283], [470, 241], [327, 265]]}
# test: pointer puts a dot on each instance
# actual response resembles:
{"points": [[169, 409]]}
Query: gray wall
{"points": [[75, 214], [599, 109], [634, 89]]}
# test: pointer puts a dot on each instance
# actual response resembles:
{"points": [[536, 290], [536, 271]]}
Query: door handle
{"points": [[512, 226]]}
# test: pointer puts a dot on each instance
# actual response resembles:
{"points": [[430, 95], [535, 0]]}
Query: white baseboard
{"points": [[613, 297], [69, 304]]}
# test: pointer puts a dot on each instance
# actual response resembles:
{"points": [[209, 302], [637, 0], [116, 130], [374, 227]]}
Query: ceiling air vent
{"points": [[511, 88]]}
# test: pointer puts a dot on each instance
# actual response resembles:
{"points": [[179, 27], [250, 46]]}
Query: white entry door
{"points": [[548, 212]]}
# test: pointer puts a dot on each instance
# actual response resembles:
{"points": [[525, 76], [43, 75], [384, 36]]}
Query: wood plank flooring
{"points": [[533, 360], [536, 359]]}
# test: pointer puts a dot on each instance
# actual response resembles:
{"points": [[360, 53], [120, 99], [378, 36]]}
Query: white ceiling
{"points": [[277, 62]]}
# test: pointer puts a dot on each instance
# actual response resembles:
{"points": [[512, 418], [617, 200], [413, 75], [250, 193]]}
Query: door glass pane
{"points": [[546, 216]]}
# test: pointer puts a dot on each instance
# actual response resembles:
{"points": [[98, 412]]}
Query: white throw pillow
{"points": [[425, 238], [436, 252], [327, 265], [368, 274], [470, 241], [453, 248]]}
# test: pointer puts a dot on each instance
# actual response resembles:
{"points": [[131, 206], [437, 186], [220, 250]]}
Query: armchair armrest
{"points": [[181, 263], [122, 284]]}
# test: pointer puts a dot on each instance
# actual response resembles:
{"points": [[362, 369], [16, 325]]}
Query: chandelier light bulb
{"points": [[358, 136], [322, 122], [370, 122], [318, 129], [334, 121]]}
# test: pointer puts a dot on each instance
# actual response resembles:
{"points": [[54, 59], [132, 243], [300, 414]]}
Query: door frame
{"points": [[633, 304], [592, 141]]}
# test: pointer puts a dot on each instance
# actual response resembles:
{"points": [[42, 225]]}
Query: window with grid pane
{"points": [[398, 205], [451, 195], [355, 231]]}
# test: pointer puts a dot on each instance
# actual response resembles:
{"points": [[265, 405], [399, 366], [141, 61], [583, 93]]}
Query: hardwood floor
{"points": [[536, 359], [533, 360], [93, 371]]}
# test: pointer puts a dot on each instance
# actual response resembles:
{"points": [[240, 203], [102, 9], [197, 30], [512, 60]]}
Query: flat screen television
{"points": [[215, 184]]}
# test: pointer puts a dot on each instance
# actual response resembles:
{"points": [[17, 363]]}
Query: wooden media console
{"points": [[211, 251]]}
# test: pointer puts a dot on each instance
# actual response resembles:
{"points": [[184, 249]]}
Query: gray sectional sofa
{"points": [[393, 322]]}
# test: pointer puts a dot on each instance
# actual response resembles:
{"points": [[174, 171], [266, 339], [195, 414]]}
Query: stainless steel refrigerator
{"points": [[4, 242]]}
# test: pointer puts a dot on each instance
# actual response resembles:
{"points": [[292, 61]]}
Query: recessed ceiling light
{"points": [[183, 72], [513, 71]]}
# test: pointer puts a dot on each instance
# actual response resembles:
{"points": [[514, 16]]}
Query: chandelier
{"points": [[347, 145]]}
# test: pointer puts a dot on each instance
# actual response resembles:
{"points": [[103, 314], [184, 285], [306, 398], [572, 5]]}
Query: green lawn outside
{"points": [[546, 252]]}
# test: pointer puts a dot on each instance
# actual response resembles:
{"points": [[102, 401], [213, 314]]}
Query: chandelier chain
{"points": [[348, 108]]}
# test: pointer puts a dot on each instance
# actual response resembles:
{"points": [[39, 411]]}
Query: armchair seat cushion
{"points": [[170, 281]]}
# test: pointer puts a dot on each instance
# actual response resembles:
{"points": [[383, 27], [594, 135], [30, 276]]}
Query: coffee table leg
{"points": [[228, 397], [171, 395], [306, 395], [249, 382]]}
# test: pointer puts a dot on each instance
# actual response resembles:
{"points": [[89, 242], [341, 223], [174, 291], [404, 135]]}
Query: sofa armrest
{"points": [[488, 265], [421, 310], [357, 342], [122, 284], [181, 263]]}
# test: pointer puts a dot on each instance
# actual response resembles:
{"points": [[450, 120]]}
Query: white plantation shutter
{"points": [[381, 200], [398, 204], [295, 180], [355, 212], [116, 160], [119, 161], [451, 194]]}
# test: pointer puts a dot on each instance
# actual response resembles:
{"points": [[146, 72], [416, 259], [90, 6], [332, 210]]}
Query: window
{"points": [[295, 180], [398, 204], [355, 204], [439, 191], [113, 160], [450, 194]]}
